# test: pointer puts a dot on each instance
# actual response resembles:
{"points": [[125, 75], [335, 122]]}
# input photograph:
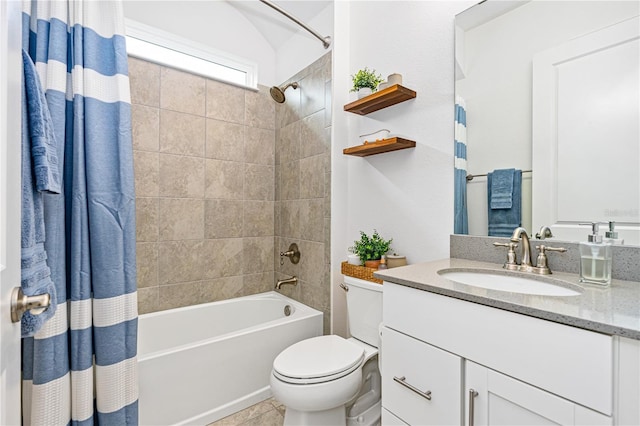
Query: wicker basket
{"points": [[361, 272]]}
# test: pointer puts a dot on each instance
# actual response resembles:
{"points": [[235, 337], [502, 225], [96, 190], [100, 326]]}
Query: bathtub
{"points": [[201, 363]]}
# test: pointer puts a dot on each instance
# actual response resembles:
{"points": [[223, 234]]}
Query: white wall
{"points": [[303, 48], [213, 23], [498, 84], [406, 195]]}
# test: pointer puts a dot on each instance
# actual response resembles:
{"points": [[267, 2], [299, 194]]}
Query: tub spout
{"points": [[293, 281]]}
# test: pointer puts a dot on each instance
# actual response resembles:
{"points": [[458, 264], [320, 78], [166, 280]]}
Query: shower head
{"points": [[277, 93]]}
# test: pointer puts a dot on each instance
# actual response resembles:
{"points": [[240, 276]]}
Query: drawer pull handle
{"points": [[402, 381], [472, 396]]}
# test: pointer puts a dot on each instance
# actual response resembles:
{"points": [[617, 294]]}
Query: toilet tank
{"points": [[364, 309]]}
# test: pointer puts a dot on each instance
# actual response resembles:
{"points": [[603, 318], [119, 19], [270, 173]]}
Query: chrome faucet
{"points": [[544, 232], [521, 234], [293, 281]]}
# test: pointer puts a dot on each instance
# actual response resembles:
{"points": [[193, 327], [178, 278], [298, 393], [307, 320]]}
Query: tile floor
{"points": [[266, 413]]}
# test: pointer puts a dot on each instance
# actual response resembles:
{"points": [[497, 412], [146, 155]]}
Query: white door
{"points": [[502, 400], [586, 133], [10, 118]]}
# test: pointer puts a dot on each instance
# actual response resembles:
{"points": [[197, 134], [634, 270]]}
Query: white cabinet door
{"points": [[502, 400], [421, 384]]}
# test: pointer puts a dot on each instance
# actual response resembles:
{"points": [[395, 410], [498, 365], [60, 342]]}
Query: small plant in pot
{"points": [[370, 249], [365, 79]]}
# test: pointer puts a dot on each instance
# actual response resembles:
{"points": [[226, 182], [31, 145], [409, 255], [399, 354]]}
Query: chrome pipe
{"points": [[326, 41]]}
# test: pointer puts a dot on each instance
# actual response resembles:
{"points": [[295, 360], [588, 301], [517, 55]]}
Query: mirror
{"points": [[530, 75]]}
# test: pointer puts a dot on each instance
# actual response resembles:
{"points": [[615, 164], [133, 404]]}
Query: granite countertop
{"points": [[611, 310]]}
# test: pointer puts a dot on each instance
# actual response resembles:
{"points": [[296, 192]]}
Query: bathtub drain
{"points": [[287, 310]]}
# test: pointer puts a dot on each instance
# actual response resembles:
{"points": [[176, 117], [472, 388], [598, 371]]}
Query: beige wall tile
{"points": [[223, 257], [312, 93], [225, 102], [327, 194], [146, 169], [327, 104], [312, 219], [258, 218], [181, 91], [290, 218], [181, 176], [223, 218], [147, 264], [180, 261], [147, 300], [258, 283], [312, 262], [259, 147], [225, 141], [312, 177], [327, 241], [313, 136], [260, 109], [224, 179], [181, 294], [144, 81], [182, 133], [259, 182], [257, 255], [288, 183], [222, 288], [181, 219], [145, 127], [146, 219], [288, 143]]}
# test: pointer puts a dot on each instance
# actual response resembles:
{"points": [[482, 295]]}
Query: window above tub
{"points": [[155, 45]]}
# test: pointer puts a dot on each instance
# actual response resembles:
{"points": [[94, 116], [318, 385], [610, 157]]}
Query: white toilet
{"points": [[329, 380]]}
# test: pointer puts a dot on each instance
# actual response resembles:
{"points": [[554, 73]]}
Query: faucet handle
{"points": [[542, 266], [511, 254]]}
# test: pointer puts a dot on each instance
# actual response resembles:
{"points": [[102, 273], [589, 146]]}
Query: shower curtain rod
{"points": [[326, 41]]}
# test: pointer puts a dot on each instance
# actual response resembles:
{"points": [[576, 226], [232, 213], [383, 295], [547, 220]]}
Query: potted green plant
{"points": [[365, 82], [370, 249]]}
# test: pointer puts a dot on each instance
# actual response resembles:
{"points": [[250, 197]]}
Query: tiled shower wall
{"points": [[303, 182], [204, 156], [226, 179]]}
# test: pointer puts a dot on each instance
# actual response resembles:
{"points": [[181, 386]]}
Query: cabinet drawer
{"points": [[570, 362], [411, 369]]}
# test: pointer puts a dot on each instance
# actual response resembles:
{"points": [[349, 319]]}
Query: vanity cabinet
{"points": [[527, 370], [501, 400]]}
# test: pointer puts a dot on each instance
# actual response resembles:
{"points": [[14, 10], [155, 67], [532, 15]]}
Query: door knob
{"points": [[20, 303]]}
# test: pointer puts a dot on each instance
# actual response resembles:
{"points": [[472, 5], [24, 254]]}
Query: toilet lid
{"points": [[318, 359]]}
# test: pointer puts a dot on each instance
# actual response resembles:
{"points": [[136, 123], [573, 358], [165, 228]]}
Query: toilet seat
{"points": [[318, 360]]}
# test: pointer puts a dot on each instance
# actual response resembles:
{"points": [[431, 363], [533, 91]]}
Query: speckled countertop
{"points": [[611, 310]]}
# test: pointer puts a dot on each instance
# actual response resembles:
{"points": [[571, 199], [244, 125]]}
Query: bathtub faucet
{"points": [[293, 281]]}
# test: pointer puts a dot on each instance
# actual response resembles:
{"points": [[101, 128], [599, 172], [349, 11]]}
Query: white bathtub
{"points": [[201, 363]]}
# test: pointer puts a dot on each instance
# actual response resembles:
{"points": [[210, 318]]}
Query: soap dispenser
{"points": [[611, 236], [595, 258]]}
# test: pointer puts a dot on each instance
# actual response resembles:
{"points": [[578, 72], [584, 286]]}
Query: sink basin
{"points": [[504, 281]]}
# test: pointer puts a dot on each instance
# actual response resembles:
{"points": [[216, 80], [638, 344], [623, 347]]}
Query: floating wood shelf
{"points": [[378, 147], [382, 99]]}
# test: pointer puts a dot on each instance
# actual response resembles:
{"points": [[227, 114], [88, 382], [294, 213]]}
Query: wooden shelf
{"points": [[382, 99], [378, 147]]}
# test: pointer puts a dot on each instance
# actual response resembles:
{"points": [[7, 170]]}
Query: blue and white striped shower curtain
{"points": [[81, 367], [461, 223]]}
